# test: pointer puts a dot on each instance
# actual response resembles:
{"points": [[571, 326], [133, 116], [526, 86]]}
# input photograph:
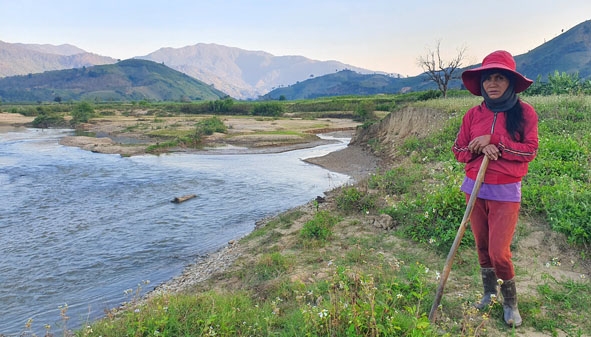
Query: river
{"points": [[81, 228]]}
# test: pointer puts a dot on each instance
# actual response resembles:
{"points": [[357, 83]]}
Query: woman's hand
{"points": [[491, 151], [477, 144]]}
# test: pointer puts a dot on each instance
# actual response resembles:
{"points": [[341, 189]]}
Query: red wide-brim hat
{"points": [[501, 60]]}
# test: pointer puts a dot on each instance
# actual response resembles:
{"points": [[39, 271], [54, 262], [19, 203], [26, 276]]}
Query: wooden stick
{"points": [[184, 198], [458, 239]]}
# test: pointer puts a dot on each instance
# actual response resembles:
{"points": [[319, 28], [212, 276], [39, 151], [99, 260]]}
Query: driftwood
{"points": [[184, 198]]}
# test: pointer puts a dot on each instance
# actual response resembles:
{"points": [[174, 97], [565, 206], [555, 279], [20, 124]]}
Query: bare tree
{"points": [[439, 70]]}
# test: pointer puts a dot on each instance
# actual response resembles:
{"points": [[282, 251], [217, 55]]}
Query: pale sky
{"points": [[381, 35]]}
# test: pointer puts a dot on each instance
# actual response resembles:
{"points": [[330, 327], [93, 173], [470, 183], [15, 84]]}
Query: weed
{"points": [[319, 229], [352, 199], [398, 180], [271, 266]]}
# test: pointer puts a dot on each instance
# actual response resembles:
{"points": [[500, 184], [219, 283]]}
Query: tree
{"points": [[221, 105], [439, 70], [564, 83], [82, 113]]}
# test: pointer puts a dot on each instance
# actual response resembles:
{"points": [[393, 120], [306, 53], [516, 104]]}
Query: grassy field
{"points": [[325, 269]]}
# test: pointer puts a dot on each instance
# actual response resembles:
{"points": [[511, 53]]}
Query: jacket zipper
{"points": [[492, 128]]}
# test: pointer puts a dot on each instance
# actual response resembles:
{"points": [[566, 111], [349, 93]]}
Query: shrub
{"points": [[352, 199], [210, 125], [429, 94], [221, 105], [49, 120], [319, 228], [268, 109], [82, 113], [365, 111], [161, 147]]}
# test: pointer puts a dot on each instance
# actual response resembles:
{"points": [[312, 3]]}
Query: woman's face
{"points": [[495, 85]]}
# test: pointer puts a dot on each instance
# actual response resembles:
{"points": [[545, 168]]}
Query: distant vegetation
{"points": [[344, 82], [560, 83], [360, 108]]}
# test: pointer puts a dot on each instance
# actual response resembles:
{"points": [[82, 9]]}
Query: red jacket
{"points": [[512, 165]]}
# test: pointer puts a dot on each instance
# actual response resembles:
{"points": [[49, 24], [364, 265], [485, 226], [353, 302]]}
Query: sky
{"points": [[380, 35]]}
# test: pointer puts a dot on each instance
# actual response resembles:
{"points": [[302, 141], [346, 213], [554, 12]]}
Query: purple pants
{"points": [[493, 224]]}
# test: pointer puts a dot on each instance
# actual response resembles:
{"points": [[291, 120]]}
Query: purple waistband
{"points": [[501, 192]]}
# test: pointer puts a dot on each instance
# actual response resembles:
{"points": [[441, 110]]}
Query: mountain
{"points": [[23, 59], [569, 52], [241, 73], [128, 80], [63, 49], [246, 74], [348, 82]]}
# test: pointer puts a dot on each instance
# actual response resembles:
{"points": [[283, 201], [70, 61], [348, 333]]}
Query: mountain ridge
{"points": [[569, 52], [244, 73], [23, 59], [240, 73]]}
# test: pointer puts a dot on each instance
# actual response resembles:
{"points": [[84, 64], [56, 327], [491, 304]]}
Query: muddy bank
{"points": [[354, 161]]}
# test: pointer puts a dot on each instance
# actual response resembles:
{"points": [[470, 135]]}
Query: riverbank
{"points": [[353, 161], [130, 135], [133, 195], [254, 136]]}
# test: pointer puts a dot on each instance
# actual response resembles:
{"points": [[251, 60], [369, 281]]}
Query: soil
{"points": [[9, 120]]}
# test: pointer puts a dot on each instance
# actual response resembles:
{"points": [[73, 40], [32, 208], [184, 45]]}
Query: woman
{"points": [[504, 129]]}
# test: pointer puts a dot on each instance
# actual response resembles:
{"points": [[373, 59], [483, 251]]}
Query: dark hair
{"points": [[514, 122]]}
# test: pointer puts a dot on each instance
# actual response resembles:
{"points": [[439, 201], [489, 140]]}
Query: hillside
{"points": [[129, 80], [348, 82], [242, 73], [569, 52]]}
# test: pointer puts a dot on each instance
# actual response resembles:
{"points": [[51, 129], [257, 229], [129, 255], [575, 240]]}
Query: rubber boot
{"points": [[510, 310], [489, 282]]}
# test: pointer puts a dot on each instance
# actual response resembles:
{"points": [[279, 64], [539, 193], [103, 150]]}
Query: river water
{"points": [[80, 228]]}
